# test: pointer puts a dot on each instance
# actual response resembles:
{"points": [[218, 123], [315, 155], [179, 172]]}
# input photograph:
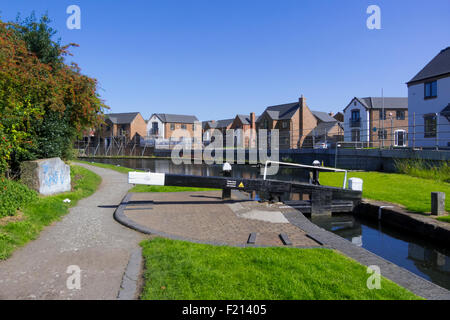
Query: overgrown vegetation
{"points": [[411, 192], [13, 196], [43, 211], [422, 169], [44, 103], [182, 270]]}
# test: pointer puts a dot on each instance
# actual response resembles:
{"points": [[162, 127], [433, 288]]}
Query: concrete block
{"points": [[46, 176], [355, 184], [438, 203]]}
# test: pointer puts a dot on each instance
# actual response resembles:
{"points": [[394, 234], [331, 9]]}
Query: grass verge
{"points": [[42, 212], [444, 219], [183, 270], [411, 192], [143, 188]]}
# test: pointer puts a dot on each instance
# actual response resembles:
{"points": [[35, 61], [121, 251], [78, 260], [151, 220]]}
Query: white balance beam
{"points": [[146, 178]]}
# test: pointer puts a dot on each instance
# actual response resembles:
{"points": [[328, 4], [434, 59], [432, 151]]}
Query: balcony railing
{"points": [[355, 123]]}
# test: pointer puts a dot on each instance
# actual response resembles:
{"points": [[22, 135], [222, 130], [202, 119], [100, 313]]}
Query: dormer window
{"points": [[430, 89]]}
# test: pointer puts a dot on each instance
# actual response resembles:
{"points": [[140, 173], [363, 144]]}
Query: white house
{"points": [[377, 121], [429, 103], [155, 127]]}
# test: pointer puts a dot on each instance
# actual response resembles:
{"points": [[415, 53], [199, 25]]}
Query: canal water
{"points": [[423, 258]]}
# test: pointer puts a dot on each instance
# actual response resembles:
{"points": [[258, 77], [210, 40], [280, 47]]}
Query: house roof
{"points": [[223, 123], [438, 66], [121, 118], [176, 118], [282, 111], [323, 127], [446, 111], [377, 102], [323, 116]]}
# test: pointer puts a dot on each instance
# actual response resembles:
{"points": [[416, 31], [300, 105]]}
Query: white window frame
{"points": [[396, 138]]}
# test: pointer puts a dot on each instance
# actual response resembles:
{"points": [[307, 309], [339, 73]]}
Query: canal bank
{"points": [[387, 252]]}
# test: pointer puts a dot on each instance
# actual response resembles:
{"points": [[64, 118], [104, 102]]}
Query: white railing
{"points": [[308, 167]]}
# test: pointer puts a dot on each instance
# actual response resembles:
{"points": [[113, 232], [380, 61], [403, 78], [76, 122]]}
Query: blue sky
{"points": [[216, 58]]}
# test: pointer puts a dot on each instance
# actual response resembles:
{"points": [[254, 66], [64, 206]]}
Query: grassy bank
{"points": [[143, 188], [41, 212], [183, 270], [444, 219], [422, 169], [411, 192]]}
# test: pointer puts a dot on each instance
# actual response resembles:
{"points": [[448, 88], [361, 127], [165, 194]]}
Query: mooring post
{"points": [[226, 172], [315, 177], [438, 203]]}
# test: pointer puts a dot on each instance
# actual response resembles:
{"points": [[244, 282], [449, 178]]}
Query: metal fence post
{"points": [[437, 131], [414, 130]]}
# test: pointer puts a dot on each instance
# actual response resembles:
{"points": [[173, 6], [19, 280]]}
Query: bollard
{"points": [[438, 203], [315, 173], [226, 172]]}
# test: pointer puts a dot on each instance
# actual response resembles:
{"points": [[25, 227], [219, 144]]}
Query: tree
{"points": [[44, 103]]}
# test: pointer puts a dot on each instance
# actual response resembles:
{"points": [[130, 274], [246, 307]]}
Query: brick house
{"points": [[295, 122], [244, 127], [163, 125], [122, 125], [210, 126], [377, 121]]}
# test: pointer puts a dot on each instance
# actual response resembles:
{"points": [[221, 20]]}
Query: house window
{"points": [[431, 89], [400, 115], [382, 134], [355, 120], [193, 127], [382, 115], [183, 126], [172, 126], [285, 124], [355, 135], [430, 126]]}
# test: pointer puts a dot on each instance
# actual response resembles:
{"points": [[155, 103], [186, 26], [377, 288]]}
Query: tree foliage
{"points": [[44, 103]]}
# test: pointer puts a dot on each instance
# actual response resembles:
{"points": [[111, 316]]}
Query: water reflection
{"points": [[423, 258]]}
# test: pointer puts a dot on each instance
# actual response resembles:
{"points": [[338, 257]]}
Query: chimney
{"points": [[302, 101], [331, 114], [252, 120]]}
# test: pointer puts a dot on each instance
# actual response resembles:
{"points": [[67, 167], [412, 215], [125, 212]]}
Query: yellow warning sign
{"points": [[241, 185]]}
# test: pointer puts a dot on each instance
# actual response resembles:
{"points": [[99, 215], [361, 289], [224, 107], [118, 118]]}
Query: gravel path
{"points": [[87, 237]]}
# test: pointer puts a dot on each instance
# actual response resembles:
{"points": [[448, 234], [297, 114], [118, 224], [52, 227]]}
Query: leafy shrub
{"points": [[14, 195]]}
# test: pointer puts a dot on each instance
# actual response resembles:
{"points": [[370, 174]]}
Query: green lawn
{"points": [[178, 270], [444, 218], [143, 188], [45, 210], [411, 192]]}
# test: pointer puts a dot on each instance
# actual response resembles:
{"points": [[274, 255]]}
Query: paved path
{"points": [[203, 217], [87, 237]]}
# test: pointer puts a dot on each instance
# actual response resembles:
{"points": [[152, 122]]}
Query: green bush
{"points": [[13, 196]]}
